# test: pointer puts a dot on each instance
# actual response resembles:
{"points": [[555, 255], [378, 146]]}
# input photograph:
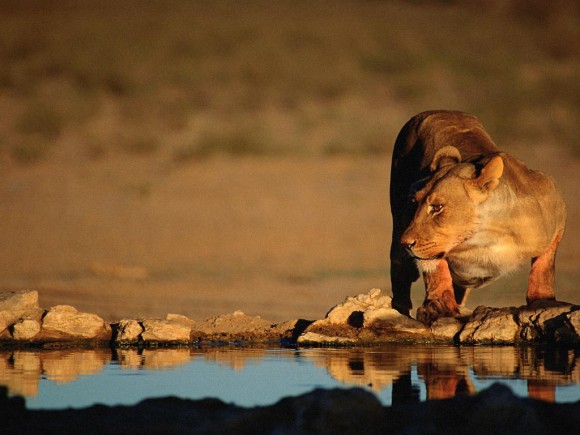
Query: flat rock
{"points": [[237, 326], [63, 322], [490, 326], [165, 331]]}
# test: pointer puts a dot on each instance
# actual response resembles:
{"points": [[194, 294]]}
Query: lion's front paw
{"points": [[432, 309]]}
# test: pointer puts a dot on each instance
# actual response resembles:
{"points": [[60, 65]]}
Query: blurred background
{"points": [[199, 157]]}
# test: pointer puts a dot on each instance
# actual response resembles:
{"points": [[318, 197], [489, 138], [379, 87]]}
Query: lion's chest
{"points": [[474, 265]]}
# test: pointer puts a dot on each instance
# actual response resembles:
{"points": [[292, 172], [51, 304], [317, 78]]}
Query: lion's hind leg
{"points": [[542, 273]]}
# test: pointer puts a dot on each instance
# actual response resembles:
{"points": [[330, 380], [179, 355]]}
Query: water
{"points": [[57, 379]]}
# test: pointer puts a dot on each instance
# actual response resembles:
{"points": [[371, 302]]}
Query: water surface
{"points": [[56, 379]]}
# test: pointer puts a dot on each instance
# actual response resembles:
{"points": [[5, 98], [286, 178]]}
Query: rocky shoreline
{"points": [[366, 319]]}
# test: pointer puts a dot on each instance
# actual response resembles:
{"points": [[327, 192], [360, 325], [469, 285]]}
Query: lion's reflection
{"points": [[450, 371]]}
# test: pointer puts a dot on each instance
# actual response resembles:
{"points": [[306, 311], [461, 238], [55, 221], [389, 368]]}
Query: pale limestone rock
{"points": [[490, 325], [25, 329], [164, 330], [14, 305], [128, 330], [64, 321], [373, 302]]}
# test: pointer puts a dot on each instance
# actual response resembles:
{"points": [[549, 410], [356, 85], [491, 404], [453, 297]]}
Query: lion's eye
{"points": [[435, 208]]}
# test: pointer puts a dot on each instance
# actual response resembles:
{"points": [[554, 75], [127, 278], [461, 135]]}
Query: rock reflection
{"points": [[236, 359], [21, 370], [154, 359], [441, 371]]}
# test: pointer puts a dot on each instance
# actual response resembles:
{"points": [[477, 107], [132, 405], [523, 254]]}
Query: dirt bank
{"points": [[280, 237]]}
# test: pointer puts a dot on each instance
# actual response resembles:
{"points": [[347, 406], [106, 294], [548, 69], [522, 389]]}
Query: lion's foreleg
{"points": [[440, 296]]}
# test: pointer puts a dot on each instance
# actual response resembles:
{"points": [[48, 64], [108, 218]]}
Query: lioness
{"points": [[465, 213]]}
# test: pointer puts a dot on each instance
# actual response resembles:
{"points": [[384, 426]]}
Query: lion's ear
{"points": [[487, 181], [447, 155]]}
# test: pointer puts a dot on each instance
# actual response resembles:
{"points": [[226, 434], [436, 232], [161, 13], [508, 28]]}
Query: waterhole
{"points": [[249, 376]]}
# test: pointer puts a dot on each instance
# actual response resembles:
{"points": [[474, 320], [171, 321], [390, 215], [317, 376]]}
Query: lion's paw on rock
{"points": [[433, 309]]}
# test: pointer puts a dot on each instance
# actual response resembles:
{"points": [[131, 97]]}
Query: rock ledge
{"points": [[365, 319]]}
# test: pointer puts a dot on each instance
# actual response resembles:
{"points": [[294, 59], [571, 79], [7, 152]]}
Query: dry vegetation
{"points": [[187, 79], [209, 150]]}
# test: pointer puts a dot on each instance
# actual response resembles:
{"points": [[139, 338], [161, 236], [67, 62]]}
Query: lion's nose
{"points": [[408, 244]]}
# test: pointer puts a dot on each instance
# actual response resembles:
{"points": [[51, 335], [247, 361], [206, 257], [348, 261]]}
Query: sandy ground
{"points": [[282, 237]]}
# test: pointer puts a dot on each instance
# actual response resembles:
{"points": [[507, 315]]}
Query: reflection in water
{"points": [[449, 371], [405, 371]]}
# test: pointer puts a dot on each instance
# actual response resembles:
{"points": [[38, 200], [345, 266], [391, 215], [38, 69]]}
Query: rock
{"points": [[490, 326], [165, 331], [539, 320], [25, 329], [237, 326], [364, 319], [446, 328], [373, 304], [14, 305], [127, 331], [64, 322]]}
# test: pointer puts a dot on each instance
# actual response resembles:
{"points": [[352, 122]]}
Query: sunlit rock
{"points": [[490, 325], [127, 331], [371, 305], [164, 330], [14, 305], [25, 329], [66, 323], [364, 319]]}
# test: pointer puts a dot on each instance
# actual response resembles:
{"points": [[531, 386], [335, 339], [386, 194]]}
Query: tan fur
{"points": [[465, 213]]}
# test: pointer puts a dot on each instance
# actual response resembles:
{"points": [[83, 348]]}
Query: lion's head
{"points": [[447, 203]]}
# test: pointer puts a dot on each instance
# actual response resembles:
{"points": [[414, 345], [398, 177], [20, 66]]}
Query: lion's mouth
{"points": [[438, 256]]}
